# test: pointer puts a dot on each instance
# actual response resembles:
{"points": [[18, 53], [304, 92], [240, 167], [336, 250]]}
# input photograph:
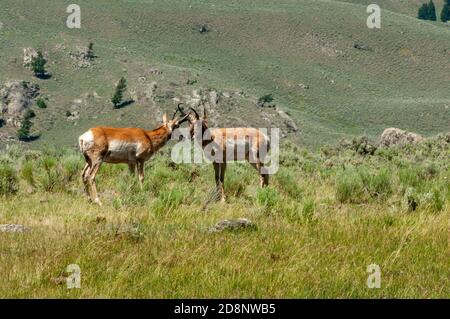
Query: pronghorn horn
{"points": [[176, 111], [180, 108], [183, 119], [196, 114]]}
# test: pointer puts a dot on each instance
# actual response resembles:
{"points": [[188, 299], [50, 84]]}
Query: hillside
{"points": [[251, 49]]}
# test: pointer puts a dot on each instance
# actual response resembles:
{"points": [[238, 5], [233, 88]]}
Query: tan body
{"points": [[252, 140], [132, 146]]}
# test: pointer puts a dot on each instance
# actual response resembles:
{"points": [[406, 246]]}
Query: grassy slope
{"points": [[155, 242], [260, 47]]}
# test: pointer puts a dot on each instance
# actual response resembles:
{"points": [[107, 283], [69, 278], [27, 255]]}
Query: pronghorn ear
{"points": [[165, 118]]}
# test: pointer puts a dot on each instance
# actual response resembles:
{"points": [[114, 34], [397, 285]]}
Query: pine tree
{"points": [[23, 133], [445, 13], [38, 64], [423, 12], [431, 11], [118, 94], [90, 51]]}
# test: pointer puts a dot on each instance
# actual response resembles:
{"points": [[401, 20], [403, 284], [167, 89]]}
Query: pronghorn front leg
{"points": [[132, 168], [140, 167]]}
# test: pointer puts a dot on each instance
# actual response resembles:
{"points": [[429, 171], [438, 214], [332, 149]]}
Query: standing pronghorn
{"points": [[132, 146], [230, 144]]}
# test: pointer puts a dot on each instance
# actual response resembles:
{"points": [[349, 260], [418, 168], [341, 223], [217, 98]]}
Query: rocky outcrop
{"points": [[28, 55], [394, 136], [16, 96], [81, 57]]}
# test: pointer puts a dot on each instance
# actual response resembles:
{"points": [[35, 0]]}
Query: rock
{"points": [[155, 71], [81, 57], [16, 96], [13, 228], [213, 98], [394, 136], [290, 124], [303, 86], [28, 55], [74, 115], [360, 46], [233, 224]]}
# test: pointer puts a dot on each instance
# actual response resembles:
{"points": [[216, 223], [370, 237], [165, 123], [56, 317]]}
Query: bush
{"points": [[27, 173], [38, 64], [349, 187], [265, 99], [378, 185], [8, 180], [289, 184], [41, 103], [358, 185]]}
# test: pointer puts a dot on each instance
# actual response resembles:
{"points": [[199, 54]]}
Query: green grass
{"points": [[260, 47], [154, 241]]}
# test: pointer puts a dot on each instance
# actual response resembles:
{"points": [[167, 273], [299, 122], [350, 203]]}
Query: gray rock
{"points": [[13, 228], [394, 136], [233, 224]]}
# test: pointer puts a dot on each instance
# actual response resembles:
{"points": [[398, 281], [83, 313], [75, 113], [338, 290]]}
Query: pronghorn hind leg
{"points": [[219, 169], [92, 174], [263, 178], [84, 177]]}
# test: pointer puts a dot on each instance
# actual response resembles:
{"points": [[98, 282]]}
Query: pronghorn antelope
{"points": [[132, 146], [252, 143]]}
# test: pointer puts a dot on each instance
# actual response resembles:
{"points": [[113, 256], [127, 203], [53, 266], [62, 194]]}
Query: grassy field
{"points": [[325, 218], [261, 47]]}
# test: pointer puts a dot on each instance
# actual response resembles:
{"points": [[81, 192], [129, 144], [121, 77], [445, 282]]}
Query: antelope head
{"points": [[175, 122]]}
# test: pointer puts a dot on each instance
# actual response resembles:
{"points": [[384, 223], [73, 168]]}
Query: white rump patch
{"points": [[86, 140]]}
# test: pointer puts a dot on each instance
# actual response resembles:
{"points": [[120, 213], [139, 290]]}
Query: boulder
{"points": [[13, 228], [394, 136], [233, 224]]}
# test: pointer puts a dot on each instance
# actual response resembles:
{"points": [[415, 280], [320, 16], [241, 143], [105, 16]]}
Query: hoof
{"points": [[97, 201]]}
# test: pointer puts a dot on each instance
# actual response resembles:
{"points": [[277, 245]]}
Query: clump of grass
{"points": [[268, 198], [359, 185], [289, 184], [27, 173], [168, 201], [349, 187], [9, 183]]}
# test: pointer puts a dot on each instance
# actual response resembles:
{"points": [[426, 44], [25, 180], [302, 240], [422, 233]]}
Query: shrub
{"points": [[41, 103], [8, 179], [377, 184], [289, 184], [38, 64], [349, 187], [23, 133], [265, 99], [27, 173]]}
